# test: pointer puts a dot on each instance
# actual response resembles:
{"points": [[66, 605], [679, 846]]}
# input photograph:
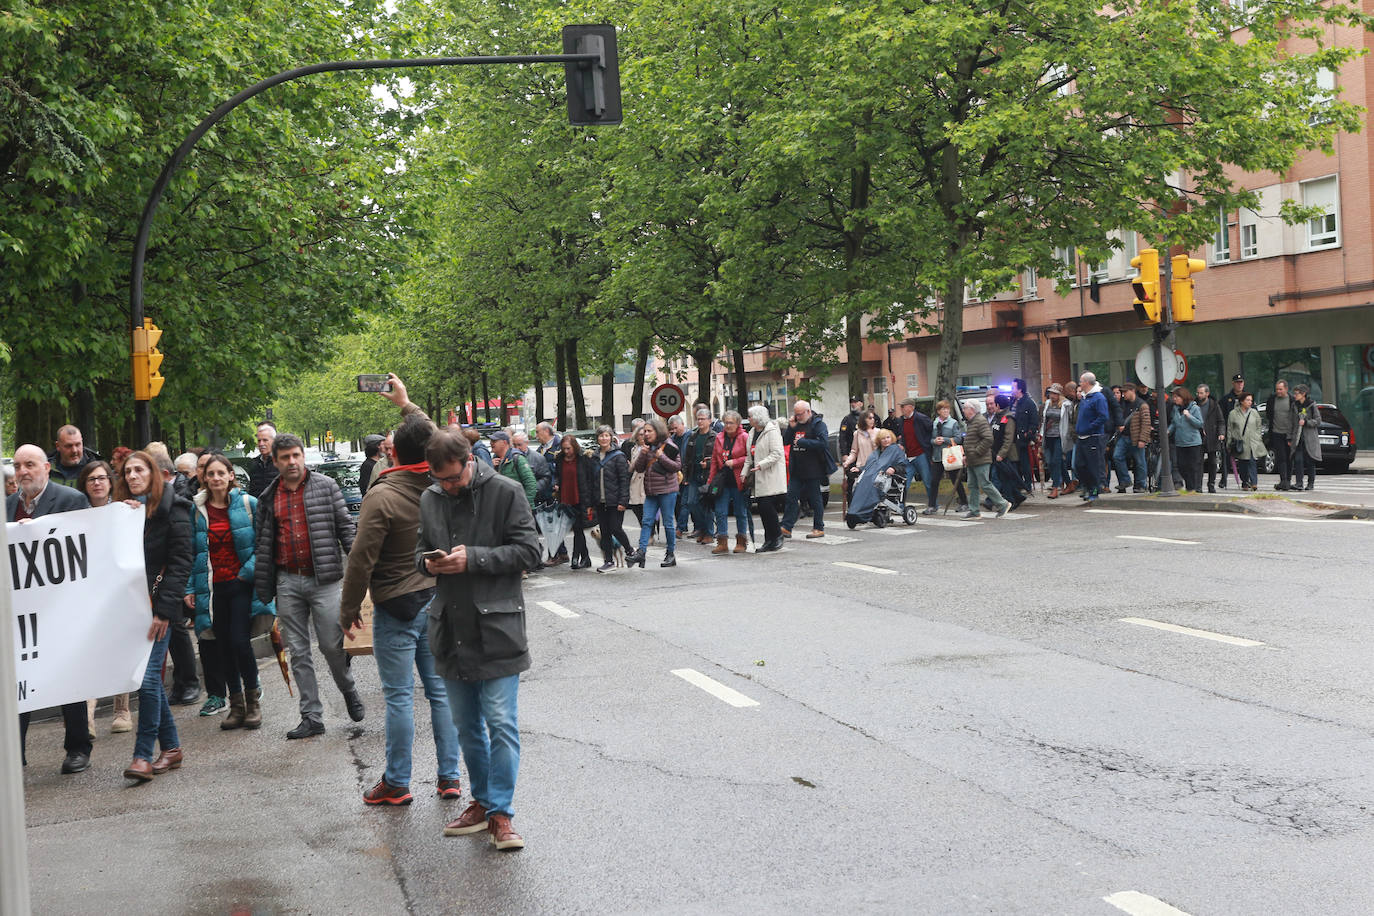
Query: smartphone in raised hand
{"points": [[374, 383]]}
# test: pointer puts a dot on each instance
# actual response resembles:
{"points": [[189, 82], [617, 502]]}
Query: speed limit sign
{"points": [[667, 400]]}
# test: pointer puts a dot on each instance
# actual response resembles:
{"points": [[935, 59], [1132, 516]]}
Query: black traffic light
{"points": [[593, 88]]}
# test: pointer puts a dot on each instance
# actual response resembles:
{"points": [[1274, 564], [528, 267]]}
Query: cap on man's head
{"points": [[1055, 388], [1237, 377], [500, 436], [856, 398], [905, 401]]}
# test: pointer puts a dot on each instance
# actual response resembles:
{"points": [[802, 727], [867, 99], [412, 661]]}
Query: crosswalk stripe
{"points": [[1137, 904], [1191, 631], [864, 567], [714, 688], [554, 607]]}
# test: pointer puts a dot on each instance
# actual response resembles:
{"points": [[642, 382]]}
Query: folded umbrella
{"points": [[280, 648]]}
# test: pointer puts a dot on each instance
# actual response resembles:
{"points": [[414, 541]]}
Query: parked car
{"points": [[345, 474], [1337, 438]]}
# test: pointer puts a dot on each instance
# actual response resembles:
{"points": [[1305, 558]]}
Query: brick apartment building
{"points": [[1276, 301]]}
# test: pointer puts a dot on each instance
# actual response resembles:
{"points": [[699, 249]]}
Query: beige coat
{"points": [[765, 461]]}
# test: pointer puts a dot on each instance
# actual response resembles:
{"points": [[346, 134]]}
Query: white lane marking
{"points": [[863, 567], [829, 539], [948, 522], [554, 607], [1142, 537], [1017, 516], [714, 688], [1190, 631], [537, 583], [1239, 515], [1138, 904], [896, 531]]}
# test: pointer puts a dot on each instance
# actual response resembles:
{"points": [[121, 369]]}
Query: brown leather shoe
{"points": [[705, 539], [741, 544], [140, 769], [722, 546], [816, 533], [473, 820], [167, 760], [503, 836]]}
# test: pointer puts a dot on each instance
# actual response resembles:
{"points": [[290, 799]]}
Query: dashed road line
{"points": [[864, 567], [1016, 516], [830, 540], [896, 531], [947, 522], [714, 688], [1190, 631], [1142, 537], [1137, 904], [554, 607], [537, 583]]}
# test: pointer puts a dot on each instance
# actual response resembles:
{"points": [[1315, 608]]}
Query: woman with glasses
{"points": [[96, 480], [167, 563]]}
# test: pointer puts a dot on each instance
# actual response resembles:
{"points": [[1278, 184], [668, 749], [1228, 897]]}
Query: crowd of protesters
{"points": [[452, 522]]}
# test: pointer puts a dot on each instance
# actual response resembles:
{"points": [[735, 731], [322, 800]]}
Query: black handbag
{"points": [[1238, 445]]}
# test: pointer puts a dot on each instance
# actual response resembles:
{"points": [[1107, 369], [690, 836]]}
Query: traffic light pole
{"points": [[582, 60], [14, 859], [1162, 332]]}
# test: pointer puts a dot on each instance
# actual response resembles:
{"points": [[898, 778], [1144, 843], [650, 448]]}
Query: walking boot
{"points": [[722, 546], [252, 709], [741, 544], [237, 713], [668, 560]]}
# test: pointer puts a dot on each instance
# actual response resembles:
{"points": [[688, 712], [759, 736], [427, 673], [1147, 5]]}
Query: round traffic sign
{"points": [[1369, 357], [667, 399], [1181, 375]]}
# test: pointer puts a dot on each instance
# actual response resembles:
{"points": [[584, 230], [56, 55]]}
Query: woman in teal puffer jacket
{"points": [[220, 589]]}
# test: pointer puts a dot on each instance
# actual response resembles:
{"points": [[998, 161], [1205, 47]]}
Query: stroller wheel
{"points": [[851, 521], [909, 515], [880, 517]]}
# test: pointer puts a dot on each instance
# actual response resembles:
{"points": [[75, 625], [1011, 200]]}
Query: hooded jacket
{"points": [[1093, 413], [477, 620]]}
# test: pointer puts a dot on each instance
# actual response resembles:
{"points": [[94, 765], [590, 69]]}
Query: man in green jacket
{"points": [[978, 460], [477, 537], [510, 463]]}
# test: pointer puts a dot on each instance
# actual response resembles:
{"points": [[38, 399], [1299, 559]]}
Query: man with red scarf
{"points": [[383, 560]]}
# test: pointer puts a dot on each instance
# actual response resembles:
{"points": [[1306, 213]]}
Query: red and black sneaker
{"points": [[383, 794], [450, 788]]}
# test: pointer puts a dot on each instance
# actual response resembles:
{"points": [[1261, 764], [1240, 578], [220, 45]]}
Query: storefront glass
{"points": [[1205, 369], [1301, 366], [1355, 390]]}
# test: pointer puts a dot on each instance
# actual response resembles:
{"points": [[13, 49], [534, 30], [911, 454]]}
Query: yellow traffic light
{"points": [[1182, 285], [147, 359], [1147, 302]]}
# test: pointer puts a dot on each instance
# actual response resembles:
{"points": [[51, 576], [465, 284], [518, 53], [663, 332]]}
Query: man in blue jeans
{"points": [[913, 431], [477, 537], [383, 560]]}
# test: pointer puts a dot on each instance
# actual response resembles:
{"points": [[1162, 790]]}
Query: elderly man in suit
{"points": [[36, 497]]}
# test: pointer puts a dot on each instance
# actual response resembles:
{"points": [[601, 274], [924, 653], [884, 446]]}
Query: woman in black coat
{"points": [[1213, 437], [167, 562], [574, 485], [611, 491]]}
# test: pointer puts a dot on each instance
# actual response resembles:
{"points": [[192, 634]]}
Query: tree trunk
{"points": [[741, 388], [854, 353], [951, 337], [560, 370], [575, 381], [860, 180], [703, 358], [538, 381], [608, 393], [486, 398], [641, 370], [85, 417]]}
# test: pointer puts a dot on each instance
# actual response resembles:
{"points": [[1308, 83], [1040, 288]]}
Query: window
{"points": [[1205, 369], [973, 381], [1066, 257], [1301, 366], [1130, 244], [1324, 96], [879, 384], [1249, 240], [1030, 284], [1322, 231], [913, 385], [1221, 241], [1355, 390], [1099, 272]]}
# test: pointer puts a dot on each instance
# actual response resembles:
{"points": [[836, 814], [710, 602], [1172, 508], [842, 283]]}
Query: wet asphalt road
{"points": [[966, 728]]}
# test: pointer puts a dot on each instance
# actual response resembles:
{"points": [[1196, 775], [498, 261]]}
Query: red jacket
{"points": [[739, 451]]}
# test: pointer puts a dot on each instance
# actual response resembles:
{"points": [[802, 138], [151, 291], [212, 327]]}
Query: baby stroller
{"points": [[877, 497]]}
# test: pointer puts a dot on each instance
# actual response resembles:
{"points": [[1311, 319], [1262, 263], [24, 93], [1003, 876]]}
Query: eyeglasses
{"points": [[452, 478], [98, 478]]}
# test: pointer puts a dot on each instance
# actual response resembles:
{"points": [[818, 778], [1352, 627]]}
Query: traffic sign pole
{"points": [[1162, 331], [14, 859]]}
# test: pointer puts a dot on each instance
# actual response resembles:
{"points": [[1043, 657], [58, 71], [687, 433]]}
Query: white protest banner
{"points": [[81, 612]]}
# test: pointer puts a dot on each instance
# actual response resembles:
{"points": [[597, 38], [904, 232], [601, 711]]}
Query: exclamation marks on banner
{"points": [[28, 636]]}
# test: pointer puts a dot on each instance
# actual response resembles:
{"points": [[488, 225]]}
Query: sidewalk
{"points": [[1296, 504]]}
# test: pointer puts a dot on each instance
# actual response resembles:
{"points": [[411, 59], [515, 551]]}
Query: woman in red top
{"points": [[574, 485]]}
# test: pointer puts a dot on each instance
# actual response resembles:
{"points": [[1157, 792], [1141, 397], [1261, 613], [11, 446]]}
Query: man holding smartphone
{"points": [[477, 537]]}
